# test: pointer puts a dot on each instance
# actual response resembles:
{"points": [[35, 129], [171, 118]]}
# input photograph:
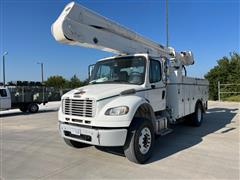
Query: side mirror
{"points": [[166, 64], [90, 69]]}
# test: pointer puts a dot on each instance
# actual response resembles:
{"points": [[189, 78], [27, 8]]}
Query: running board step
{"points": [[164, 132], [162, 126]]}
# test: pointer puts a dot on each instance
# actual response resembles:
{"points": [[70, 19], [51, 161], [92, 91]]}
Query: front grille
{"points": [[79, 107]]}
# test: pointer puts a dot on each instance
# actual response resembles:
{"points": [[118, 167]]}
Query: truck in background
{"points": [[24, 98]]}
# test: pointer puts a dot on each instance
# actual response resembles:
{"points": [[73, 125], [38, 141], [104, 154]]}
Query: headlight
{"points": [[117, 111]]}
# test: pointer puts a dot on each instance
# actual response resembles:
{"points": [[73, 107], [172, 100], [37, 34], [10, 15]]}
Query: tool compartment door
{"points": [[187, 90]]}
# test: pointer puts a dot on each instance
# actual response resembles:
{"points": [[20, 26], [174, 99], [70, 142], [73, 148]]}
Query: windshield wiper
{"points": [[94, 82], [117, 80], [107, 82]]}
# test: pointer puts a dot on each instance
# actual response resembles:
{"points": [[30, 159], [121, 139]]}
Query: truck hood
{"points": [[101, 91]]}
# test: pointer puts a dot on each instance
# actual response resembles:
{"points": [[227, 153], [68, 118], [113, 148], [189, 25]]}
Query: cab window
{"points": [[154, 71], [3, 93]]}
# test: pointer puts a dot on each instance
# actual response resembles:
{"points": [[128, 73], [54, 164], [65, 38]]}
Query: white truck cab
{"points": [[118, 87], [130, 97], [5, 98]]}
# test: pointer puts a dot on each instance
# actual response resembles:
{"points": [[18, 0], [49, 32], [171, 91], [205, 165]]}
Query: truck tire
{"points": [[74, 144], [33, 108], [23, 108], [197, 116], [140, 141]]}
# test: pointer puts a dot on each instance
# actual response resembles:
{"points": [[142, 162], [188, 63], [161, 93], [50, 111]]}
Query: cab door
{"points": [[157, 90], [5, 99]]}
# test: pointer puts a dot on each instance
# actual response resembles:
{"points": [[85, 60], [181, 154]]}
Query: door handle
{"points": [[163, 94], [153, 86]]}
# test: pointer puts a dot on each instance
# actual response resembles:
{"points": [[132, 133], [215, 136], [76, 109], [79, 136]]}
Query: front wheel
{"points": [[140, 141], [24, 108]]}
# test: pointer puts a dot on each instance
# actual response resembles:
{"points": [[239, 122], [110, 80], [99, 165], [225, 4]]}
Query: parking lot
{"points": [[31, 148]]}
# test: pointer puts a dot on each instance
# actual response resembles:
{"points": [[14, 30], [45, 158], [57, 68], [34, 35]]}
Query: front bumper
{"points": [[94, 136]]}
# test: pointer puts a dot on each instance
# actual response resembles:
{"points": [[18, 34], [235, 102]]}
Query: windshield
{"points": [[130, 70]]}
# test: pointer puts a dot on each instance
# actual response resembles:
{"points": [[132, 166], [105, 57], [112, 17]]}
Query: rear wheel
{"points": [[197, 117], [33, 108], [74, 144], [140, 142]]}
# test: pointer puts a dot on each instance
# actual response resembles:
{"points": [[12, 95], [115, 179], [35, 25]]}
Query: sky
{"points": [[209, 28]]}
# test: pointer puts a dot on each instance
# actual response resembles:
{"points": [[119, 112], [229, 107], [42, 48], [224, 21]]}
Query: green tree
{"points": [[226, 71], [60, 82], [75, 82], [56, 81], [85, 82]]}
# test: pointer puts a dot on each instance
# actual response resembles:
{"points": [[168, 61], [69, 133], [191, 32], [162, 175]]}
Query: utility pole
{"points": [[167, 35], [41, 64], [4, 54], [42, 72], [219, 93]]}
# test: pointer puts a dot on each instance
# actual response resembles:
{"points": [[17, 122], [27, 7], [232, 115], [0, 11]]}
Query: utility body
{"points": [[26, 99], [131, 97]]}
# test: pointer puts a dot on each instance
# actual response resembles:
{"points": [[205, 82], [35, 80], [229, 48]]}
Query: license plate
{"points": [[73, 130]]}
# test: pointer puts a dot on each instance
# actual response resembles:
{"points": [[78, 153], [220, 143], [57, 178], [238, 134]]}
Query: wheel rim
{"points": [[144, 141], [199, 115], [34, 108]]}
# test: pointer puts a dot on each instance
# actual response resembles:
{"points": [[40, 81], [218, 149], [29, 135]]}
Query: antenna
{"points": [[167, 35]]}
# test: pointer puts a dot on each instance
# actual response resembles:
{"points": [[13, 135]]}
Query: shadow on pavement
{"points": [[185, 136]]}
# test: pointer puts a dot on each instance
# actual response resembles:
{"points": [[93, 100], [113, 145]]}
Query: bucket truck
{"points": [[131, 97]]}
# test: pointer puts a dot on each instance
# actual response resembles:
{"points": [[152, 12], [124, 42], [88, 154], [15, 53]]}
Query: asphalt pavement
{"points": [[31, 148]]}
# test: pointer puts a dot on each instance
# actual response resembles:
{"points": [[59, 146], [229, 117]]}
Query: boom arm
{"points": [[78, 25]]}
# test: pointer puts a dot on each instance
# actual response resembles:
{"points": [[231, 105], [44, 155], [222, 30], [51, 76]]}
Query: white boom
{"points": [[78, 25]]}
